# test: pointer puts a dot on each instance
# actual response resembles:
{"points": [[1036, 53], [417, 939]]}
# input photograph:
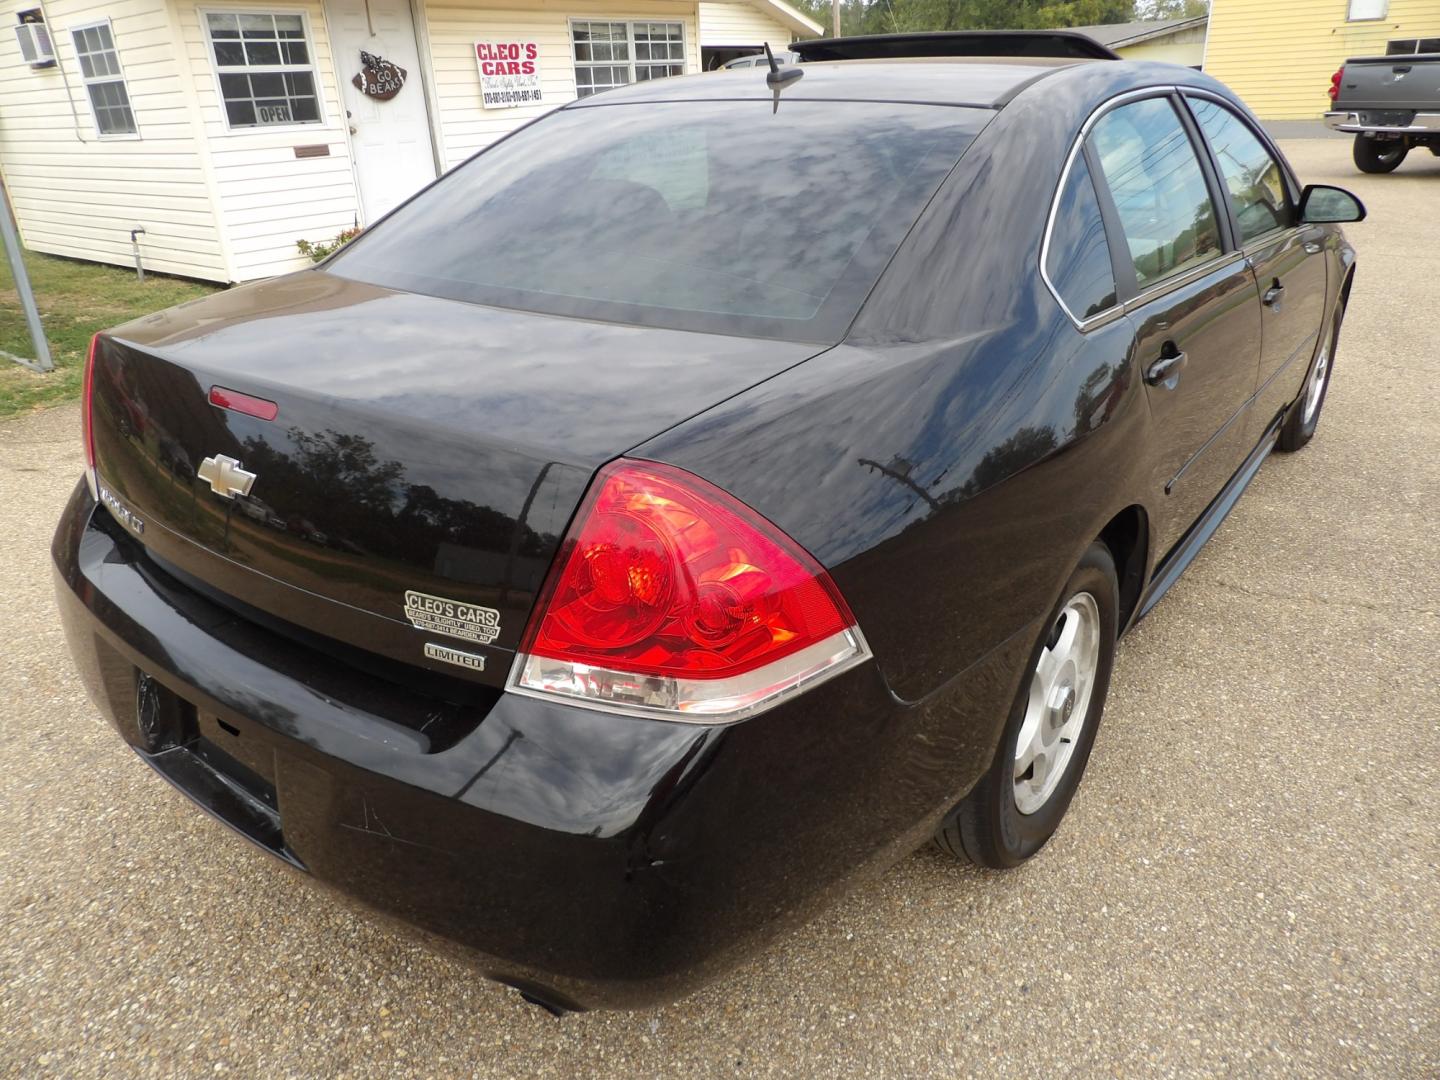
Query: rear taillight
{"points": [[1335, 82], [87, 420], [672, 598], [235, 401]]}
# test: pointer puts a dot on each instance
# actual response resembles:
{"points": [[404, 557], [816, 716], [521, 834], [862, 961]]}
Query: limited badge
{"points": [[454, 656], [452, 617]]}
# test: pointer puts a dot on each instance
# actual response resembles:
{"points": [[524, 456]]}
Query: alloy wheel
{"points": [[1315, 388], [1060, 691]]}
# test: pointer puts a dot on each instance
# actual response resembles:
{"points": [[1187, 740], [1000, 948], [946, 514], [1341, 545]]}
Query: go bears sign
{"points": [[509, 73]]}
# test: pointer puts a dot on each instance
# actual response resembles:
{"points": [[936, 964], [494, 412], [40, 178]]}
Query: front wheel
{"points": [[1378, 155], [1304, 416], [1018, 803]]}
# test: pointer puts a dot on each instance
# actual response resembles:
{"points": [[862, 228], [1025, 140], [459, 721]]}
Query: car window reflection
{"points": [[1252, 177], [1159, 189], [603, 212]]}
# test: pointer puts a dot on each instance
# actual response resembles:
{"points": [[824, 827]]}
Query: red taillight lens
{"points": [[671, 596], [1335, 83], [87, 405]]}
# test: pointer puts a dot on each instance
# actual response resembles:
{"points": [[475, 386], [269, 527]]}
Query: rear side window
{"points": [[1252, 177], [1078, 260], [1159, 189], [642, 214]]}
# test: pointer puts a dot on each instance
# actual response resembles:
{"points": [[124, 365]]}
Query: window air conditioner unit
{"points": [[35, 45]]}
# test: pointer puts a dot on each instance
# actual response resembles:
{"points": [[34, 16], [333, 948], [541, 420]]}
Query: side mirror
{"points": [[1322, 204]]}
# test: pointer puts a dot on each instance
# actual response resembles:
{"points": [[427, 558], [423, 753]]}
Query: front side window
{"points": [[1078, 259], [642, 214], [1159, 189], [266, 74], [610, 54], [1253, 178], [104, 82]]}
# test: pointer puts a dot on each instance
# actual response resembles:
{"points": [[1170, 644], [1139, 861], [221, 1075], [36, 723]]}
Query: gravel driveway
{"points": [[1248, 881]]}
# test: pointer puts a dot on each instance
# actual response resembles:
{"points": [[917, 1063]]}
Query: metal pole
{"points": [[42, 361], [835, 15], [135, 235]]}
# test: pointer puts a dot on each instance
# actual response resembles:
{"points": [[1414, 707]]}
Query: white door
{"points": [[390, 139]]}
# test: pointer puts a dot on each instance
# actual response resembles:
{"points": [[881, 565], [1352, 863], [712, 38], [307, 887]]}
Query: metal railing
{"points": [[11, 240]]}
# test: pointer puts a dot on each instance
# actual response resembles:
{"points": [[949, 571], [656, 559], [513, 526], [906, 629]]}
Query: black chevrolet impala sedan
{"points": [[700, 498]]}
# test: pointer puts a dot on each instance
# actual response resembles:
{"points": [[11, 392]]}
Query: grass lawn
{"points": [[75, 300]]}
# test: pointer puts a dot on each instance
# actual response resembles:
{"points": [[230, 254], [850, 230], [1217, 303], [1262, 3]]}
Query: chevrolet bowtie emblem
{"points": [[225, 476]]}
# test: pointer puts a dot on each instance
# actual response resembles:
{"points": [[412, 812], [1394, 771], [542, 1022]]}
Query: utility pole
{"points": [[11, 241], [835, 15]]}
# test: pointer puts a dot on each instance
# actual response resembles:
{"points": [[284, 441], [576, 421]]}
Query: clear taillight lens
{"points": [[672, 598]]}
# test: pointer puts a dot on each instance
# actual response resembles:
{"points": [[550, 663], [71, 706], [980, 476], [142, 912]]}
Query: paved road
{"points": [[1247, 882]]}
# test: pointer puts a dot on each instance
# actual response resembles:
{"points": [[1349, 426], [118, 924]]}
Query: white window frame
{"points": [[266, 69], [631, 62], [87, 82], [1350, 15]]}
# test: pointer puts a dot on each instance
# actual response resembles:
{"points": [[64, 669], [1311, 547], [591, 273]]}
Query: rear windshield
{"points": [[718, 216]]}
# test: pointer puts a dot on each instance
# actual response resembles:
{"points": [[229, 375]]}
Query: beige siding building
{"points": [[228, 131], [1171, 41], [1279, 54], [735, 26], [78, 190]]}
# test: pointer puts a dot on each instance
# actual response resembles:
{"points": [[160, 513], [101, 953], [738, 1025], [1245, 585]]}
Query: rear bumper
{"points": [[1360, 123], [594, 860]]}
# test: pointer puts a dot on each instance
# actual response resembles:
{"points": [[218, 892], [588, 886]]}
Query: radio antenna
{"points": [[778, 79]]}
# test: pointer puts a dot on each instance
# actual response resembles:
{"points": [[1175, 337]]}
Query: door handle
{"points": [[1167, 369], [1273, 294], [1313, 247]]}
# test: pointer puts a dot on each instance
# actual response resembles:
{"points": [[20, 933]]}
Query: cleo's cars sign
{"points": [[509, 73]]}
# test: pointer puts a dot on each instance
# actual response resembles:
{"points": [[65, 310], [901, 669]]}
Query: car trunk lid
{"points": [[423, 461]]}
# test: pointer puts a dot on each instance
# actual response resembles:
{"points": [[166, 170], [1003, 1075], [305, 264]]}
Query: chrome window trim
{"points": [[1293, 187], [1292, 181], [1178, 279], [1269, 239], [1119, 307], [1114, 311], [1182, 278]]}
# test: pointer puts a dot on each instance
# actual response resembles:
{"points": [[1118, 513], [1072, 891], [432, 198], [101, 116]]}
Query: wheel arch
{"points": [[1344, 296], [1127, 535]]}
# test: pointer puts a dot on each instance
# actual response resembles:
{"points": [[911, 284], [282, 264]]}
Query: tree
{"points": [[1171, 9]]}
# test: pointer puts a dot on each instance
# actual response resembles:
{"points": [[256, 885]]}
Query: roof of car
{"points": [[985, 83]]}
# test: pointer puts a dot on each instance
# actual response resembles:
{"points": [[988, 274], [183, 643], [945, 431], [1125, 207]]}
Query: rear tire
{"points": [[1019, 802], [1304, 418], [1378, 155]]}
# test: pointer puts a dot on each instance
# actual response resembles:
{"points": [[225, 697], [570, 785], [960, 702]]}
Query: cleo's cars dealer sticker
{"points": [[453, 617]]}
